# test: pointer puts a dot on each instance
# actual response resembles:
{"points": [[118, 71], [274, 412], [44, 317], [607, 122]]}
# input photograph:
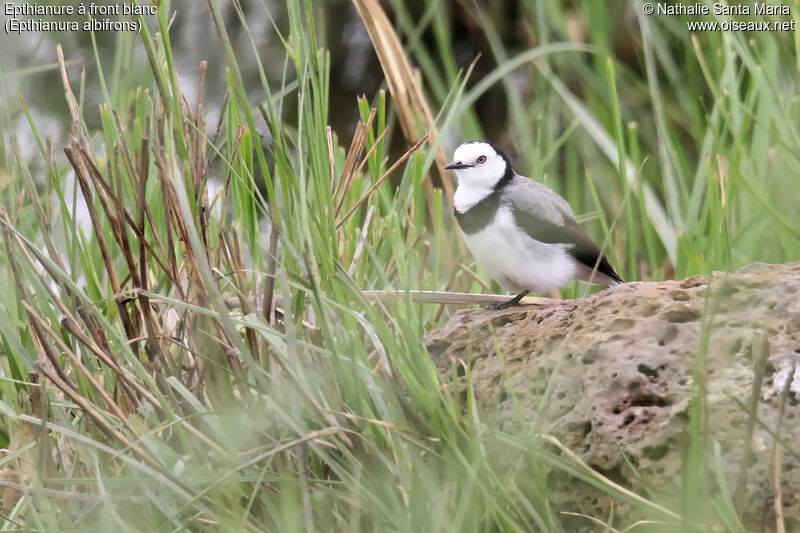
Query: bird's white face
{"points": [[478, 165]]}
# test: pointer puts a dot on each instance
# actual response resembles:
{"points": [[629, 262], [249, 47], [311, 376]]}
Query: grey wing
{"points": [[548, 218]]}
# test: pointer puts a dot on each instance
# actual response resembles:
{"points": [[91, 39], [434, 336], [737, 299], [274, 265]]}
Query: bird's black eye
{"points": [[481, 159]]}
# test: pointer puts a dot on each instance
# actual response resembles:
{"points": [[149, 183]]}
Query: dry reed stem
{"points": [[780, 526], [413, 111], [353, 154], [352, 175], [357, 147], [453, 298], [474, 275], [381, 180], [41, 327]]}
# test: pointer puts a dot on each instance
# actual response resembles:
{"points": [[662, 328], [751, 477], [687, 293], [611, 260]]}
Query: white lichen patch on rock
{"points": [[617, 368]]}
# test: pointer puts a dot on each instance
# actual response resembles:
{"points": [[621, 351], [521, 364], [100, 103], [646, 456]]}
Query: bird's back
{"points": [[548, 218]]}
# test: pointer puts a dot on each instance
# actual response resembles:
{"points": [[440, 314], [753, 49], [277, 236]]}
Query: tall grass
{"points": [[201, 355]]}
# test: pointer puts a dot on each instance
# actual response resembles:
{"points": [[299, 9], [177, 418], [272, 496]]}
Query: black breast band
{"points": [[481, 214]]}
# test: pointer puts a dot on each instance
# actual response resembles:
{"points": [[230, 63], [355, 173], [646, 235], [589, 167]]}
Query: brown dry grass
{"points": [[413, 111]]}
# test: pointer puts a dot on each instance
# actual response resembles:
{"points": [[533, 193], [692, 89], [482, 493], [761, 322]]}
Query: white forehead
{"points": [[472, 150]]}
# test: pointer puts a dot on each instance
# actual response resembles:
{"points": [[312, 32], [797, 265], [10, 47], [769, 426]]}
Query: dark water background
{"points": [[354, 66]]}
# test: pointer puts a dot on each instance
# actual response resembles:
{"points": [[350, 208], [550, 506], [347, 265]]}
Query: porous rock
{"points": [[616, 373]]}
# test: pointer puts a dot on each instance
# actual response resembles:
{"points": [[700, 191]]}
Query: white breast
{"points": [[515, 260], [466, 197]]}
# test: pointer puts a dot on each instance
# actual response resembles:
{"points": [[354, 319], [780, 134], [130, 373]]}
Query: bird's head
{"points": [[479, 164]]}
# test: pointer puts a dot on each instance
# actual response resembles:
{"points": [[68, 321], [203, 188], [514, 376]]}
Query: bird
{"points": [[520, 231]]}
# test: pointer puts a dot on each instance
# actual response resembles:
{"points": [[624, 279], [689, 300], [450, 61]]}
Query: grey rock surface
{"points": [[611, 376]]}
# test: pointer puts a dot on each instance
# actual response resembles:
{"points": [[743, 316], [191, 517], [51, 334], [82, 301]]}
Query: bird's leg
{"points": [[510, 303]]}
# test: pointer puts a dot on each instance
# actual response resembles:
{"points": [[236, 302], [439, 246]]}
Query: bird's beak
{"points": [[456, 165]]}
